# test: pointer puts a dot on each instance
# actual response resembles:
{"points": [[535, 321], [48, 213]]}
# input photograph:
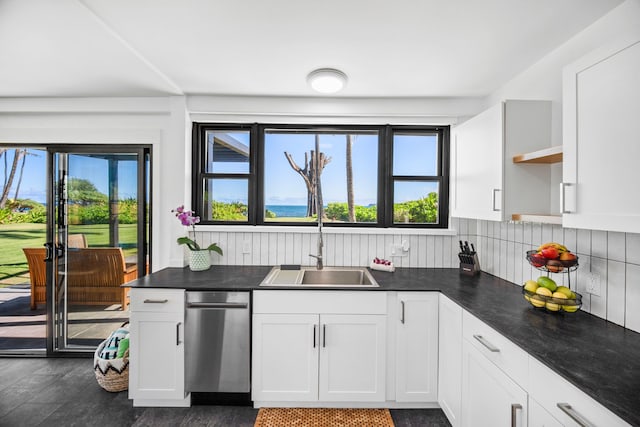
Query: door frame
{"points": [[144, 176]]}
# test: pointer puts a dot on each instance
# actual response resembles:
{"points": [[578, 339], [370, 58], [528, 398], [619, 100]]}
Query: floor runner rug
{"points": [[323, 417]]}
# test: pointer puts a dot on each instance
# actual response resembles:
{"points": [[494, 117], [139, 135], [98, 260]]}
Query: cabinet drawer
{"points": [[328, 302], [157, 300], [498, 349], [549, 389]]}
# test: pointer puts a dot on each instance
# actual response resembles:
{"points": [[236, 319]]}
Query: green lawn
{"points": [[14, 237]]}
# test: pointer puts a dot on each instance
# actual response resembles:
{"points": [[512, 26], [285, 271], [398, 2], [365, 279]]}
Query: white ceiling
{"points": [[388, 48]]}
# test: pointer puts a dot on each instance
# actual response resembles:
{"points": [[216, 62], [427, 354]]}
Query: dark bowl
{"points": [[568, 305], [551, 265]]}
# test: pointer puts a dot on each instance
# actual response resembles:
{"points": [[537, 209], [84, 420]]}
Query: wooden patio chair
{"points": [[37, 275], [95, 276], [77, 241]]}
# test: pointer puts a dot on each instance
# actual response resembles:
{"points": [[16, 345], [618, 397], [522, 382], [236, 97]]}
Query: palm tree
{"points": [[350, 205], [25, 152], [8, 179]]}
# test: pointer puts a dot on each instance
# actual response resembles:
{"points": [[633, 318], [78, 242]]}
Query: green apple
{"points": [[548, 283]]}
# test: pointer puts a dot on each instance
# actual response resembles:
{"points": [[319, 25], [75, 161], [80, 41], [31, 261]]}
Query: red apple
{"points": [[567, 256], [537, 260], [550, 253]]}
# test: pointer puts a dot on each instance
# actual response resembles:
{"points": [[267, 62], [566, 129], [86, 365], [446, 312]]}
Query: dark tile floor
{"points": [[64, 392]]}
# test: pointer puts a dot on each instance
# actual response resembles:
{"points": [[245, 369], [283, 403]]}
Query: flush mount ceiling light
{"points": [[327, 80]]}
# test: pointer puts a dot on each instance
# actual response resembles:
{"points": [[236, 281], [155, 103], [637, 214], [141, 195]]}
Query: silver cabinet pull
{"points": [[178, 333], [515, 407], [314, 336], [156, 301], [223, 305], [574, 415], [495, 190], [492, 348], [324, 335], [563, 198], [402, 312]]}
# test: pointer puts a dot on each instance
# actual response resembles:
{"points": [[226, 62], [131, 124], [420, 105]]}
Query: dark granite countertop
{"points": [[599, 357]]}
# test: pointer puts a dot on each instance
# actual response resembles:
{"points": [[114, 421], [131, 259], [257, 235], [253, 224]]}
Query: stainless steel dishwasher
{"points": [[217, 342]]}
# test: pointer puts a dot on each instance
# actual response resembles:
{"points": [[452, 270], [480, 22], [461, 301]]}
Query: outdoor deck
{"points": [[23, 329]]}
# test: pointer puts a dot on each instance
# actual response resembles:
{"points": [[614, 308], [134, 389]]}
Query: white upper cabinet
{"points": [[485, 181], [601, 131]]}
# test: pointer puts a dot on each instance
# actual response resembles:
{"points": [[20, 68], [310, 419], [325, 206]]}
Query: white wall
{"points": [[613, 256]]}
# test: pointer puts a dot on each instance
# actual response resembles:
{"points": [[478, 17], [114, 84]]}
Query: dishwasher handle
{"points": [[223, 305]]}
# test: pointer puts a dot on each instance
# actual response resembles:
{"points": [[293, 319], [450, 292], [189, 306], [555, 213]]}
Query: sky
{"points": [[413, 155], [34, 180]]}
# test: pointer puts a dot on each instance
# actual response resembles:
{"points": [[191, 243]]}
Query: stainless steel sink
{"points": [[343, 277]]}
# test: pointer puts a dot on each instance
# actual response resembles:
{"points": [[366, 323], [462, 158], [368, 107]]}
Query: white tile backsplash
{"points": [[547, 233], [615, 246], [633, 248], [570, 239], [632, 297], [615, 292], [536, 234], [599, 243], [584, 242]]}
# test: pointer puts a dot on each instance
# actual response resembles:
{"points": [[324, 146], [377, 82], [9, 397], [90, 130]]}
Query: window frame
{"points": [[442, 176], [385, 176]]}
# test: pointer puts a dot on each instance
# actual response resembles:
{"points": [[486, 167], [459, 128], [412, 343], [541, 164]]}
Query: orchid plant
{"points": [[189, 219]]}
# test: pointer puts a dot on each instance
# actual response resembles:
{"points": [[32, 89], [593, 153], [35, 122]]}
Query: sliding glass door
{"points": [[97, 240]]}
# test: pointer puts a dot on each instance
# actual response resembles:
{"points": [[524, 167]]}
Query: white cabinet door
{"points": [[450, 359], [489, 396], [156, 363], [476, 166], [486, 184], [285, 357], [601, 100], [564, 401], [157, 356], [352, 358], [540, 417], [417, 347]]}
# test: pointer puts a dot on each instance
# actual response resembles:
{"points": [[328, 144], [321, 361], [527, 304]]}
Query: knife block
{"points": [[471, 269]]}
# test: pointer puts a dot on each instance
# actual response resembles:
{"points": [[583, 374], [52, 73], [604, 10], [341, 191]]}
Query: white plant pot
{"points": [[199, 260]]}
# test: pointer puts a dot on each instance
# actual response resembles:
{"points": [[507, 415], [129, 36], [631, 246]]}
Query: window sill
{"points": [[325, 230]]}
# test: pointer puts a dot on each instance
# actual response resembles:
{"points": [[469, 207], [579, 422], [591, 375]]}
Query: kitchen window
{"points": [[362, 176]]}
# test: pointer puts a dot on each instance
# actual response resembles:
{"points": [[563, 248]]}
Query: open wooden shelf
{"points": [[545, 156], [547, 219]]}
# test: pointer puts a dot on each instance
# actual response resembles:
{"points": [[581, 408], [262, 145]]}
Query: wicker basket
{"points": [[111, 374]]}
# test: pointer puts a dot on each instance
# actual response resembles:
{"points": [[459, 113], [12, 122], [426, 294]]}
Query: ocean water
{"points": [[284, 211]]}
